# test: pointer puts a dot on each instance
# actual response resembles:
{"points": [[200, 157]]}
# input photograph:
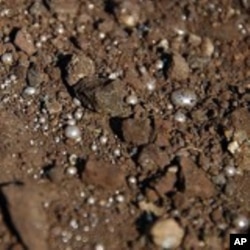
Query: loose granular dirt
{"points": [[124, 124]]}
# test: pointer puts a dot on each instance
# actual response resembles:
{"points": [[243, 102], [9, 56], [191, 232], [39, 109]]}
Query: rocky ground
{"points": [[124, 124]]}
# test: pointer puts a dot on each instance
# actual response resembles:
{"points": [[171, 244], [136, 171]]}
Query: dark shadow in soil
{"points": [[74, 41], [13, 33], [63, 61], [116, 126], [167, 60], [144, 222], [109, 6], [47, 169], [80, 165], [6, 215]]}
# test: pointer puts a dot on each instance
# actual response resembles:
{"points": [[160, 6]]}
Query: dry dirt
{"points": [[124, 124]]}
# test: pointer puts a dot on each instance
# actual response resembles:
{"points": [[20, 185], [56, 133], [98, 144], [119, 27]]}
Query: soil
{"points": [[124, 124]]}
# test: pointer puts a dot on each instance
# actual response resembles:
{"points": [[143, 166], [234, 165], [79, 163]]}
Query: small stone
{"points": [[136, 131], [166, 184], [179, 69], [64, 7], [34, 75], [152, 157], [196, 181], [207, 47], [7, 58], [239, 190], [72, 132], [53, 107], [167, 234], [103, 175], [30, 219], [184, 98], [129, 14], [24, 41], [151, 208], [103, 97], [233, 147], [79, 67], [29, 91], [163, 132], [180, 117], [194, 39]]}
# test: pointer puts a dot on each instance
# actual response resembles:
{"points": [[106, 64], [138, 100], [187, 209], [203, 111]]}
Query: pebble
{"points": [[207, 47], [7, 58], [64, 7], [97, 96], [29, 91], [34, 75], [23, 41], [72, 132], [71, 170], [99, 247], [180, 117], [184, 98], [129, 14], [79, 67], [151, 85], [167, 233], [242, 222], [179, 69], [30, 219], [196, 181], [152, 157], [103, 174], [163, 132], [136, 131], [53, 106], [132, 99], [230, 171]]}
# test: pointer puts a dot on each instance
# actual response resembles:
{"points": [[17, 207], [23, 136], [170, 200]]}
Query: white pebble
{"points": [[184, 98], [132, 99], [91, 201], [13, 77], [230, 171], [103, 139], [71, 122], [73, 223], [43, 38], [77, 102], [38, 44], [167, 234], [132, 180], [78, 114], [151, 85], [180, 117], [72, 171], [159, 65], [117, 152], [99, 247], [241, 222], [86, 228], [94, 147], [29, 90], [60, 29], [120, 198], [42, 120], [7, 58], [73, 159], [72, 132]]}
